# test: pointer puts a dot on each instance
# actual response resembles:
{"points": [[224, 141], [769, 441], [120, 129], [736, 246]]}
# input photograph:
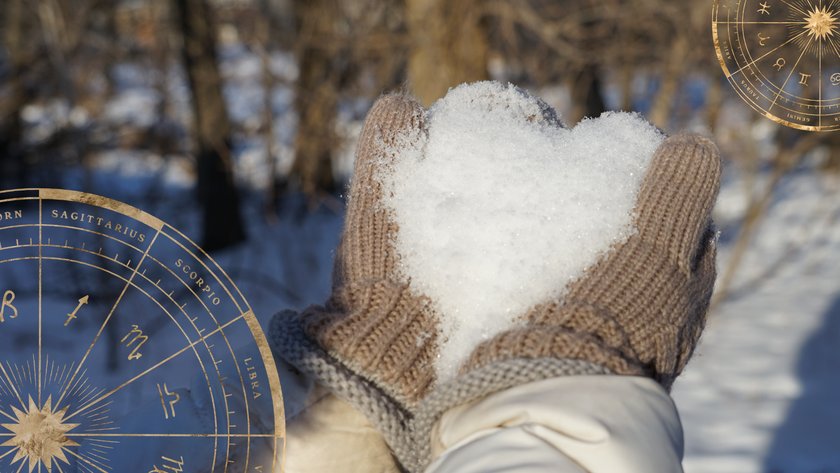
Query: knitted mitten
{"points": [[374, 342], [641, 309], [638, 311]]}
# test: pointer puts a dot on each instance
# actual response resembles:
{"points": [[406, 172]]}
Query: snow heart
{"points": [[499, 207]]}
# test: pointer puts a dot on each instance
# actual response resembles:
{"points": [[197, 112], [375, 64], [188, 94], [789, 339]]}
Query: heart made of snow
{"points": [[499, 207]]}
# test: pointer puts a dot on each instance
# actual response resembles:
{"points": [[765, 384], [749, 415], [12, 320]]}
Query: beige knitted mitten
{"points": [[641, 309], [373, 321], [374, 341]]}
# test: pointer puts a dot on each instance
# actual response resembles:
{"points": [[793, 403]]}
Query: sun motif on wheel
{"points": [[820, 23], [40, 435]]}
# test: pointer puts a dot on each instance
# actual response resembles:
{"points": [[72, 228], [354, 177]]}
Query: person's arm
{"points": [[325, 433], [572, 424]]}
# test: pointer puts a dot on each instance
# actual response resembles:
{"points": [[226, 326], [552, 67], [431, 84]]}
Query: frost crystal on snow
{"points": [[499, 207]]}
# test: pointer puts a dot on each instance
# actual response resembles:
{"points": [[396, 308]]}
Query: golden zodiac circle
{"points": [[125, 347], [783, 58]]}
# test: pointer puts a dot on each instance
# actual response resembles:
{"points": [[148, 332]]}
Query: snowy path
{"points": [[761, 393]]}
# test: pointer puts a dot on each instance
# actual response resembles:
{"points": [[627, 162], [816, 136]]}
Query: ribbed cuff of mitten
{"points": [[383, 332], [481, 382], [541, 341], [287, 338]]}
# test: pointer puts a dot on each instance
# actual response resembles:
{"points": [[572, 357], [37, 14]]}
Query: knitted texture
{"points": [[373, 323], [639, 310], [388, 416]]}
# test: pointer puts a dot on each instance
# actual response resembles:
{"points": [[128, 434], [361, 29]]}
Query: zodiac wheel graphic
{"points": [[125, 347], [783, 58]]}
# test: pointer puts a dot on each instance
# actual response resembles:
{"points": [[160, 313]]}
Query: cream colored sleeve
{"points": [[574, 424], [324, 433]]}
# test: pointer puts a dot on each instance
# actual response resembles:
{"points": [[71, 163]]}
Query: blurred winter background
{"points": [[235, 121]]}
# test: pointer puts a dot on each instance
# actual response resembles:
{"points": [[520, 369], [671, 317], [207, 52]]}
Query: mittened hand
{"points": [[640, 310], [374, 323], [374, 342]]}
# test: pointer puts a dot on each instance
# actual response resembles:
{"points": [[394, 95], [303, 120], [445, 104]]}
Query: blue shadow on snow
{"points": [[808, 440]]}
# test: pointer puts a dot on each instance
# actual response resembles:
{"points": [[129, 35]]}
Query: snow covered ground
{"points": [[761, 393]]}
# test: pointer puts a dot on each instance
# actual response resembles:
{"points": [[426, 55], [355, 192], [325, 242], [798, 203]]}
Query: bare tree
{"points": [[217, 192], [316, 94], [11, 128], [261, 45], [448, 46], [344, 49]]}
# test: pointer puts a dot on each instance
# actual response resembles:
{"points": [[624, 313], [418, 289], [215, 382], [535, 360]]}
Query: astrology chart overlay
{"points": [[124, 347], [783, 58]]}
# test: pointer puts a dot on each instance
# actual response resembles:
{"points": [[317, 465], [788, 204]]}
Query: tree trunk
{"points": [[587, 99], [670, 81], [262, 45], [12, 168], [832, 162], [316, 95], [216, 189], [448, 46]]}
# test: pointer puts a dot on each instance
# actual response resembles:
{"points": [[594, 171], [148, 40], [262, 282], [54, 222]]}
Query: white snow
{"points": [[761, 393], [500, 207]]}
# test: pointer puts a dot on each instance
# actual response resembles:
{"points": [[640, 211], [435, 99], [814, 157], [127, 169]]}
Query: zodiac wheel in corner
{"points": [[125, 347], [783, 58]]}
